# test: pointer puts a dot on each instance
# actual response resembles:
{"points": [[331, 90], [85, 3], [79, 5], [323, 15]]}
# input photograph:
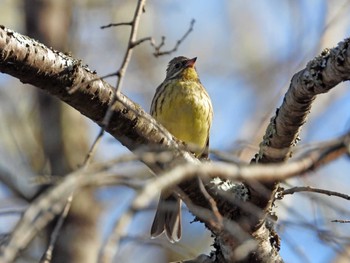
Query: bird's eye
{"points": [[177, 65]]}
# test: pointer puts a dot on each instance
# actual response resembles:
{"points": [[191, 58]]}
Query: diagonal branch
{"points": [[320, 75], [310, 189], [157, 48]]}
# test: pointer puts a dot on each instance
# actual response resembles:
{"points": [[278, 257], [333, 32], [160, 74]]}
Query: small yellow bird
{"points": [[182, 105]]}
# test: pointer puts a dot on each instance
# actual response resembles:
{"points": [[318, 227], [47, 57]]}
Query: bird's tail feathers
{"points": [[168, 218]]}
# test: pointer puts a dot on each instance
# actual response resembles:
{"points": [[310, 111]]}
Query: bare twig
{"points": [[161, 44], [132, 39], [131, 45], [157, 51], [93, 147], [121, 71], [140, 41], [310, 189], [117, 24], [218, 223], [120, 74], [54, 235], [12, 211], [340, 221]]}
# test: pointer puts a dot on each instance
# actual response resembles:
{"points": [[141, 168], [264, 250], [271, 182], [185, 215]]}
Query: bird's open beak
{"points": [[191, 62]]}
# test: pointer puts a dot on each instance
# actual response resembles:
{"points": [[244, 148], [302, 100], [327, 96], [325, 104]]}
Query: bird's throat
{"points": [[189, 74]]}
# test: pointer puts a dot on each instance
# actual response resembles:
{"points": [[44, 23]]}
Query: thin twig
{"points": [[93, 147], [140, 41], [340, 221], [218, 223], [312, 190], [120, 75], [117, 24], [121, 71], [158, 53], [161, 44], [54, 235], [12, 211], [132, 39]]}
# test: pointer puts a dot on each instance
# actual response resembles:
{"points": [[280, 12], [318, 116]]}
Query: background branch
{"points": [[42, 211], [310, 189]]}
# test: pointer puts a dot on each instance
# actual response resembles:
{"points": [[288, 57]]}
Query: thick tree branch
{"points": [[320, 75]]}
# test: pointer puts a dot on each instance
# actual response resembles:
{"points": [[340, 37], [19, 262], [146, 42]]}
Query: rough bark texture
{"points": [[319, 76]]}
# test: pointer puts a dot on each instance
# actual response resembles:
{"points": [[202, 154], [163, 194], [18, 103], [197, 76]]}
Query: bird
{"points": [[182, 105]]}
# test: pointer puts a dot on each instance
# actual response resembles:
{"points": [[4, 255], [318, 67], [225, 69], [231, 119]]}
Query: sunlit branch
{"points": [[157, 48]]}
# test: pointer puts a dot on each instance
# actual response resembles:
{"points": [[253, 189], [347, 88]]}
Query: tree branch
{"points": [[42, 210], [157, 48], [310, 189], [321, 74]]}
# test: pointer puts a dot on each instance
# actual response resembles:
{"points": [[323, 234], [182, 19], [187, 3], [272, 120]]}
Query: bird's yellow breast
{"points": [[185, 110]]}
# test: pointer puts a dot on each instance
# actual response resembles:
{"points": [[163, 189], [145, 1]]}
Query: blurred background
{"points": [[247, 53]]}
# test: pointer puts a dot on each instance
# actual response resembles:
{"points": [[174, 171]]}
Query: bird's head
{"points": [[182, 68]]}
